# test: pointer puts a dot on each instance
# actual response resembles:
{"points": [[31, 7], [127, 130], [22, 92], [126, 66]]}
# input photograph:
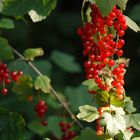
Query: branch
{"points": [[52, 89]]}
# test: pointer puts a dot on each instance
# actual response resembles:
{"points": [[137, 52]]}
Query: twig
{"points": [[52, 89]]}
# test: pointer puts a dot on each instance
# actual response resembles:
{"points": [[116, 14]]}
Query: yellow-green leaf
{"points": [[121, 4], [42, 83], [31, 53], [24, 85], [102, 98], [91, 84], [35, 16], [133, 120], [132, 25], [88, 113], [6, 23]]}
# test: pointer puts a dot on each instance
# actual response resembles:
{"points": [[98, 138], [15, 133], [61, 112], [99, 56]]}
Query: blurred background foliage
{"points": [[63, 61]]}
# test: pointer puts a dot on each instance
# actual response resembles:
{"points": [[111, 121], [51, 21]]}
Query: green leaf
{"points": [[88, 134], [1, 6], [44, 65], [24, 85], [91, 1], [105, 6], [129, 107], [127, 135], [115, 101], [5, 51], [120, 136], [77, 96], [65, 61], [136, 136], [124, 60], [37, 128], [52, 102], [133, 120], [31, 53], [102, 98], [11, 125], [132, 25], [91, 84], [53, 126], [121, 4], [118, 110], [45, 2], [42, 83], [35, 16], [115, 121], [88, 113], [16, 8], [6, 23]]}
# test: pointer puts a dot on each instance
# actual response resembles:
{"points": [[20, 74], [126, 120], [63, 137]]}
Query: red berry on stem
{"points": [[63, 129], [99, 132], [4, 91], [120, 97], [62, 124], [30, 98], [44, 123], [119, 52], [111, 62], [121, 33], [7, 81], [119, 91], [71, 134]]}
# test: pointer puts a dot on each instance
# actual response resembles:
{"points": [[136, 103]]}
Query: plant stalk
{"points": [[52, 89]]}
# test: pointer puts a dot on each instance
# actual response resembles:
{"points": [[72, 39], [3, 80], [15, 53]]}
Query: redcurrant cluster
{"points": [[102, 42], [41, 109], [6, 76], [67, 133], [15, 75]]}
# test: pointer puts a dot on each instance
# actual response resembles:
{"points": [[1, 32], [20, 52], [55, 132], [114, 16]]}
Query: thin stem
{"points": [[82, 11], [66, 107], [52, 89]]}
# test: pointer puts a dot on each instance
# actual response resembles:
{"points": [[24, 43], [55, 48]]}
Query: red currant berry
{"points": [[62, 124], [30, 98], [4, 91], [111, 62], [99, 132], [121, 33], [44, 123]]}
